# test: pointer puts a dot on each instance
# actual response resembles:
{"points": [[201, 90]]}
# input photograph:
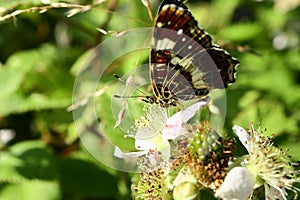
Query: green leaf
{"points": [[10, 80], [271, 19], [9, 165], [30, 189], [35, 80], [274, 119], [84, 180], [248, 111], [241, 32], [28, 160]]}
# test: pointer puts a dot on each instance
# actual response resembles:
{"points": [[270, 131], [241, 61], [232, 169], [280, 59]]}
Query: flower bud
{"points": [[185, 190]]}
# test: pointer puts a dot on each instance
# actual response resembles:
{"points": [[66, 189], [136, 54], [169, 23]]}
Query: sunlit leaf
{"points": [[31, 189], [33, 80], [241, 32]]}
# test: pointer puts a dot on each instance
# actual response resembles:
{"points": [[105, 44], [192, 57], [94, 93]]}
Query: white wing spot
{"points": [[159, 24], [165, 44], [179, 32], [190, 47], [183, 39], [175, 60]]}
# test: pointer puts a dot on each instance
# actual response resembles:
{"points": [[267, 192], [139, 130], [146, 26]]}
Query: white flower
{"points": [[154, 129], [238, 185], [269, 165], [6, 135], [148, 134]]}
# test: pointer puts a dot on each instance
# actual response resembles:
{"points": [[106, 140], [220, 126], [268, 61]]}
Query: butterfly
{"points": [[185, 64]]}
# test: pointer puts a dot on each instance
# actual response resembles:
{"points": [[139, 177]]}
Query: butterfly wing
{"points": [[185, 63]]}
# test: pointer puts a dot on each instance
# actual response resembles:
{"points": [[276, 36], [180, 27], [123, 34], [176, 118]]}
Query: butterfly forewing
{"points": [[175, 15], [185, 64]]}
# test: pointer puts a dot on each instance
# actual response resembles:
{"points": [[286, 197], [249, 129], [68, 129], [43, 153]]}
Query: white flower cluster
{"points": [[181, 175]]}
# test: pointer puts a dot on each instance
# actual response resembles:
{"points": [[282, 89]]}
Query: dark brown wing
{"points": [[185, 64]]}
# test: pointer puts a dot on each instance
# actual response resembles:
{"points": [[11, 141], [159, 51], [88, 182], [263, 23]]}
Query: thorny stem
{"points": [[42, 9]]}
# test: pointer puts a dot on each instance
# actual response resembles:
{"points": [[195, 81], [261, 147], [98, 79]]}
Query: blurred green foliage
{"points": [[41, 53]]}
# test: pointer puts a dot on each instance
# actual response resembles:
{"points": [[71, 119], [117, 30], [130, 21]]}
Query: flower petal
{"points": [[190, 111], [238, 185], [243, 135], [120, 154], [173, 127]]}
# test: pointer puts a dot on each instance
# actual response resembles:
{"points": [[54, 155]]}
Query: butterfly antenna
{"points": [[126, 83]]}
